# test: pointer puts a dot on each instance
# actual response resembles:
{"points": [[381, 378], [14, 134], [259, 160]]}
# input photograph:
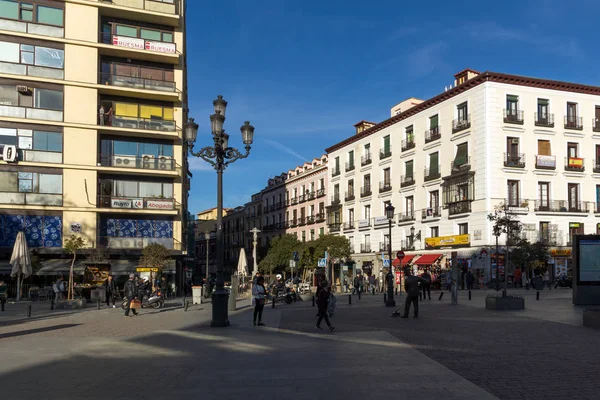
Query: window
{"points": [[386, 144], [410, 205], [303, 236], [28, 12], [513, 193], [512, 105], [462, 112], [434, 164], [544, 194], [142, 189], [312, 234], [542, 110], [387, 176], [47, 141], [337, 164], [512, 146], [463, 229], [351, 158], [367, 149], [433, 123], [367, 211], [545, 231], [575, 228], [48, 99], [336, 191], [321, 231], [544, 148], [410, 137], [30, 182], [462, 155], [154, 35], [351, 187], [434, 231], [367, 181], [351, 215], [322, 183], [408, 170], [573, 189], [434, 200], [50, 15], [571, 113]]}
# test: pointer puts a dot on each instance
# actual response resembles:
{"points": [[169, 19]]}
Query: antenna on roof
{"points": [[445, 88]]}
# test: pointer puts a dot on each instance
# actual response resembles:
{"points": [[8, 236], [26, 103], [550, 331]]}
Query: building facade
{"points": [[447, 162], [273, 206], [234, 235], [93, 96]]}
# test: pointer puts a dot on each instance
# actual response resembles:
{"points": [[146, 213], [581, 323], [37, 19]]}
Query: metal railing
{"points": [[514, 201], [459, 207], [513, 116], [408, 144], [462, 123], [384, 247], [385, 152], [348, 225], [366, 159], [320, 192], [335, 199], [320, 217], [431, 212], [335, 171], [365, 248], [433, 134], [302, 221], [595, 125], [150, 124], [385, 186], [574, 123], [461, 166], [561, 206], [293, 222], [136, 82], [545, 120], [310, 220], [349, 196], [407, 180], [302, 198], [406, 216], [294, 201], [574, 164], [365, 191], [407, 244], [514, 160], [432, 173], [335, 227], [349, 167]]}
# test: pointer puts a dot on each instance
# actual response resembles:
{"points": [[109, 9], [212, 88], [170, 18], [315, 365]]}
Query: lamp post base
{"points": [[220, 318]]}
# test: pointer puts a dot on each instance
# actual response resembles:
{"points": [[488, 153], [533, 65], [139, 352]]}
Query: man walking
{"points": [[131, 292], [426, 285], [111, 290], [411, 286], [470, 280]]}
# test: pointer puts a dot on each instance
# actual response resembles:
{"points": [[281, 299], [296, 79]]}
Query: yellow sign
{"points": [[143, 269], [560, 253], [447, 241]]}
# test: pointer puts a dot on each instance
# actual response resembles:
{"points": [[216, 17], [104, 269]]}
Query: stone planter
{"points": [[504, 303], [70, 304], [591, 318]]}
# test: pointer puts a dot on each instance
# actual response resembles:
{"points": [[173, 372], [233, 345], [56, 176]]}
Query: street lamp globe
{"points": [[389, 211], [412, 231], [216, 122], [191, 131], [220, 105], [247, 133], [225, 140]]}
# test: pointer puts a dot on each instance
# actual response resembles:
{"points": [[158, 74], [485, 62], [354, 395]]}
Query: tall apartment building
{"points": [[305, 200], [273, 206], [234, 235], [446, 162], [93, 96]]}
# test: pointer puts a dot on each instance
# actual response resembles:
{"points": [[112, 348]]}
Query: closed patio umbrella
{"points": [[20, 261], [242, 268]]}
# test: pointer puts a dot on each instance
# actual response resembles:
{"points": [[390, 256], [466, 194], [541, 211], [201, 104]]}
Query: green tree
{"points": [[525, 253], [338, 247], [72, 245], [280, 253], [155, 256]]}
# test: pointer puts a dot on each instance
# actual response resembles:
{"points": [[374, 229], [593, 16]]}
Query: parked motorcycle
{"points": [[156, 300], [564, 282], [284, 295]]}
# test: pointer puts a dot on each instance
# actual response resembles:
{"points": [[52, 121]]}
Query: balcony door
{"points": [[572, 150], [512, 105], [544, 195], [597, 115], [574, 229], [573, 196], [512, 146], [513, 193], [542, 109], [387, 176], [571, 113], [434, 200]]}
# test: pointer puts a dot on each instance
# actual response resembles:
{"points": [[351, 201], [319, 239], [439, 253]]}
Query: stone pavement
{"points": [[455, 352]]}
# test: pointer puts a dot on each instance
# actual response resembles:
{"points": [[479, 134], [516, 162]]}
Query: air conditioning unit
{"points": [[124, 162], [23, 89], [148, 161], [514, 141], [165, 163]]}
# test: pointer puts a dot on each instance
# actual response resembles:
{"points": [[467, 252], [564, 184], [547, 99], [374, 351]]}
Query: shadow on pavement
{"points": [[38, 330]]}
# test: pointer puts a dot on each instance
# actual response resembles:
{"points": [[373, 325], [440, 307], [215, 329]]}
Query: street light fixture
{"points": [[219, 156], [389, 213]]}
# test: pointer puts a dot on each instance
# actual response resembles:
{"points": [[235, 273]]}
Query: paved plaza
{"points": [[450, 352]]}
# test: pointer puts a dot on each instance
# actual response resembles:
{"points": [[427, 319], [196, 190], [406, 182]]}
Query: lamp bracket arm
{"points": [[233, 154]]}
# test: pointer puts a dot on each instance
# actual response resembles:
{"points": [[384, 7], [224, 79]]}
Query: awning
{"points": [[405, 260], [428, 259], [60, 266]]}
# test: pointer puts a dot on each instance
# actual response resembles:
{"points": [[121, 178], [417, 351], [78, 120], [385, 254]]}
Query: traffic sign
{"points": [[400, 254], [386, 263], [322, 262]]}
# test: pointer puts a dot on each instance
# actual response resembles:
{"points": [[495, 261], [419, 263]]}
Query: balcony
{"points": [[294, 201], [431, 212], [406, 216], [136, 82], [460, 124], [149, 124], [575, 123], [137, 203], [597, 166], [293, 223], [366, 160], [574, 164], [365, 191], [385, 153], [158, 6], [136, 243], [349, 196], [31, 199], [310, 220], [320, 192], [348, 226], [286, 203], [311, 195], [279, 206], [335, 200], [407, 245], [335, 171], [407, 180], [384, 247], [514, 160], [595, 125], [408, 144], [460, 207], [302, 198], [515, 202], [545, 162], [385, 187], [545, 120], [160, 163], [350, 166], [335, 227], [320, 217], [432, 174], [460, 166], [433, 134], [137, 43], [365, 248], [302, 221], [561, 206], [513, 116]]}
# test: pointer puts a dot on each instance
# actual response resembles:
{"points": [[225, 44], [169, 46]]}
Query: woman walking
{"points": [[322, 302], [258, 295]]}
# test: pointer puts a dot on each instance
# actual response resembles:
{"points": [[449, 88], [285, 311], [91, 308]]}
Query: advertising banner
{"points": [[447, 241], [129, 42], [159, 204]]}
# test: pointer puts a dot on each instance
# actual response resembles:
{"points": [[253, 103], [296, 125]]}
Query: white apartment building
{"points": [[446, 162]]}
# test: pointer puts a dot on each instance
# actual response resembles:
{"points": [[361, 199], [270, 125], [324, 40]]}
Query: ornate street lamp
{"points": [[389, 213], [219, 156]]}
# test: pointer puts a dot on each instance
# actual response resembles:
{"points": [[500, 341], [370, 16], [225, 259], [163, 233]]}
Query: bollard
{"points": [[29, 311], [273, 303], [537, 295], [313, 299], [52, 305], [441, 295], [187, 304], [469, 295], [98, 304], [385, 297], [359, 294], [2, 305], [350, 299]]}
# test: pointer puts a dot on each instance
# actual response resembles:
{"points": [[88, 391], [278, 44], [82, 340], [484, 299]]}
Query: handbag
{"points": [[135, 304]]}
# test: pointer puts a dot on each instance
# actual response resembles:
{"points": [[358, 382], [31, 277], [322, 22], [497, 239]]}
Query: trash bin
{"points": [[196, 294], [97, 294]]}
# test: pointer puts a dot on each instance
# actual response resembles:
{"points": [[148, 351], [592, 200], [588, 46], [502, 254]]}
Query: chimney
{"points": [[363, 126], [464, 76], [405, 105]]}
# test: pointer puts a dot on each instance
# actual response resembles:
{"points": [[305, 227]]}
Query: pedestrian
{"points": [[518, 277], [470, 280], [110, 290], [101, 115], [322, 303], [163, 286], [411, 286], [449, 280], [347, 284], [3, 294], [258, 275], [547, 279], [372, 284], [131, 292], [426, 285], [258, 298], [331, 303]]}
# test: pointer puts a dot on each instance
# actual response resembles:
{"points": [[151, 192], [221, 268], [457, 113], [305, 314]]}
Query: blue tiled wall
{"points": [[40, 230]]}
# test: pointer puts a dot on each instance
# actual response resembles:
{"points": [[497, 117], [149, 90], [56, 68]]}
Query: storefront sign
{"points": [[159, 204], [146, 269], [560, 252], [447, 241], [129, 42], [381, 221], [546, 161], [161, 47], [364, 223], [576, 162], [126, 203], [398, 277]]}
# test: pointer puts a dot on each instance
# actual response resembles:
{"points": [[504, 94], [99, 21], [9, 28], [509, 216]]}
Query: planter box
{"points": [[505, 303], [70, 304], [591, 318]]}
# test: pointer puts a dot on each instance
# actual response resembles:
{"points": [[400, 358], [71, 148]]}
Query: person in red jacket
{"points": [[322, 301]]}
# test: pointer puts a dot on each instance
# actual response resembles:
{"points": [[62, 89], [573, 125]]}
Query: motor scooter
{"points": [[156, 300]]}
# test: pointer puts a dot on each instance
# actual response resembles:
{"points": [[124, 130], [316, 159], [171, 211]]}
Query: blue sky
{"points": [[303, 72]]}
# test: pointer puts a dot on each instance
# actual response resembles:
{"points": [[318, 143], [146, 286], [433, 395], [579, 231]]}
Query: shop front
{"points": [[562, 260]]}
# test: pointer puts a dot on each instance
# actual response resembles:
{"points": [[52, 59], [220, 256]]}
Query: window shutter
{"points": [[544, 148], [386, 143], [433, 163], [462, 152], [543, 102], [512, 98], [433, 122], [409, 168]]}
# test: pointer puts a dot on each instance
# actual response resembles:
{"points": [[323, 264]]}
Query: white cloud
{"points": [[284, 148]]}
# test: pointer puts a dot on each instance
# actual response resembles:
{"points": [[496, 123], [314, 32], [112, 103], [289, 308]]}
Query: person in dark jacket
{"points": [[144, 289], [322, 302], [111, 290], [411, 285], [426, 285], [163, 286], [131, 292], [470, 280]]}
